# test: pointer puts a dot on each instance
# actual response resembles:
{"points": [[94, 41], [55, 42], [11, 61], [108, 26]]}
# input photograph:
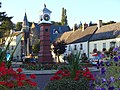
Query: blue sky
{"points": [[77, 10]]}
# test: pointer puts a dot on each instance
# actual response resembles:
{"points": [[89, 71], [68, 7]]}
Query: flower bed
{"points": [[109, 76], [67, 80], [39, 66], [15, 80]]}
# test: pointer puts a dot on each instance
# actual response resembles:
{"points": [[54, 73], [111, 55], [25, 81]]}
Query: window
{"points": [[104, 45], [46, 30], [55, 31], [69, 48], [75, 47], [112, 44], [81, 46], [95, 46], [12, 47]]}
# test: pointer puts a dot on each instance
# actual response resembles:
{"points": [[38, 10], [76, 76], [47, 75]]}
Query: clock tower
{"points": [[45, 55]]}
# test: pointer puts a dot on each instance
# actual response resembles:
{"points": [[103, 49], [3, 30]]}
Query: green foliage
{"points": [[74, 63], [36, 47], [39, 66], [59, 48], [110, 72], [56, 23], [27, 87], [6, 26], [18, 26], [64, 17], [68, 84]]}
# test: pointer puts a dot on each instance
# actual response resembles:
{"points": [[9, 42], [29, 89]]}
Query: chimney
{"points": [[84, 26], [99, 24], [74, 27]]}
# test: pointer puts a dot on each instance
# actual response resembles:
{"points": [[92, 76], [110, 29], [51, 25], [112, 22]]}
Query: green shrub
{"points": [[68, 84]]}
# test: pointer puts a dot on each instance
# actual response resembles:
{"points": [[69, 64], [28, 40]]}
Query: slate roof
{"points": [[25, 21], [53, 36], [35, 29], [107, 32], [60, 29], [78, 35]]}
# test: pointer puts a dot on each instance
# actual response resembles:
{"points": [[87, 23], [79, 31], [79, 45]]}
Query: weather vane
{"points": [[45, 5]]}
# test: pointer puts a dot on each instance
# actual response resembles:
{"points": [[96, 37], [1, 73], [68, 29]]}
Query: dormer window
{"points": [[55, 31]]}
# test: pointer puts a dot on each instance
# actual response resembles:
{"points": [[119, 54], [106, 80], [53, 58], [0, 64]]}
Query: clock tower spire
{"points": [[45, 55]]}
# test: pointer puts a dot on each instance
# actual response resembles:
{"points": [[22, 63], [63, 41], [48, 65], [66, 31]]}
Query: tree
{"points": [[59, 48], [56, 23], [18, 26], [64, 17], [36, 47], [5, 24]]}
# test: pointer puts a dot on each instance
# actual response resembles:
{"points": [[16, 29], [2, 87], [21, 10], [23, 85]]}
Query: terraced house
{"points": [[93, 37]]}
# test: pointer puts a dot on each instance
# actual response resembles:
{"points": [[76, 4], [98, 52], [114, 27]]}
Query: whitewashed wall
{"points": [[70, 48], [100, 44], [13, 45]]}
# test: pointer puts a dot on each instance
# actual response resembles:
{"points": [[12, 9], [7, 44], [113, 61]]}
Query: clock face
{"points": [[46, 17]]}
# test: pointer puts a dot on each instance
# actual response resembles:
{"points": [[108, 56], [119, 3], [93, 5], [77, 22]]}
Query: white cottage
{"points": [[16, 38], [105, 37], [78, 40]]}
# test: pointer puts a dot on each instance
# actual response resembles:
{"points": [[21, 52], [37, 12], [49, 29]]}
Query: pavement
{"points": [[43, 76], [16, 65], [92, 69]]}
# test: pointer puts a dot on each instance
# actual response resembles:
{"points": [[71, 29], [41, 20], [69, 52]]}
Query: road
{"points": [[42, 80]]}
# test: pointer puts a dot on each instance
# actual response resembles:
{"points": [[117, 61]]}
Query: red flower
{"points": [[33, 76], [92, 78], [65, 74], [20, 83], [33, 84], [10, 84], [19, 70], [3, 83], [87, 69], [2, 64], [59, 72], [76, 78], [77, 72], [66, 71], [56, 77]]}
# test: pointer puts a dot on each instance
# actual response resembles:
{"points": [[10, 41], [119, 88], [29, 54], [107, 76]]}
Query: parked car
{"points": [[94, 60], [30, 60]]}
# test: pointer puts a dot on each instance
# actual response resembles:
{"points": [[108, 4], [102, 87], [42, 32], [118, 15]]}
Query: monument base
{"points": [[45, 58]]}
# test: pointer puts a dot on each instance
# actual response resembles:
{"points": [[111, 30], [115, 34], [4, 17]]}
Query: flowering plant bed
{"points": [[109, 76], [66, 80], [39, 66], [15, 80]]}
